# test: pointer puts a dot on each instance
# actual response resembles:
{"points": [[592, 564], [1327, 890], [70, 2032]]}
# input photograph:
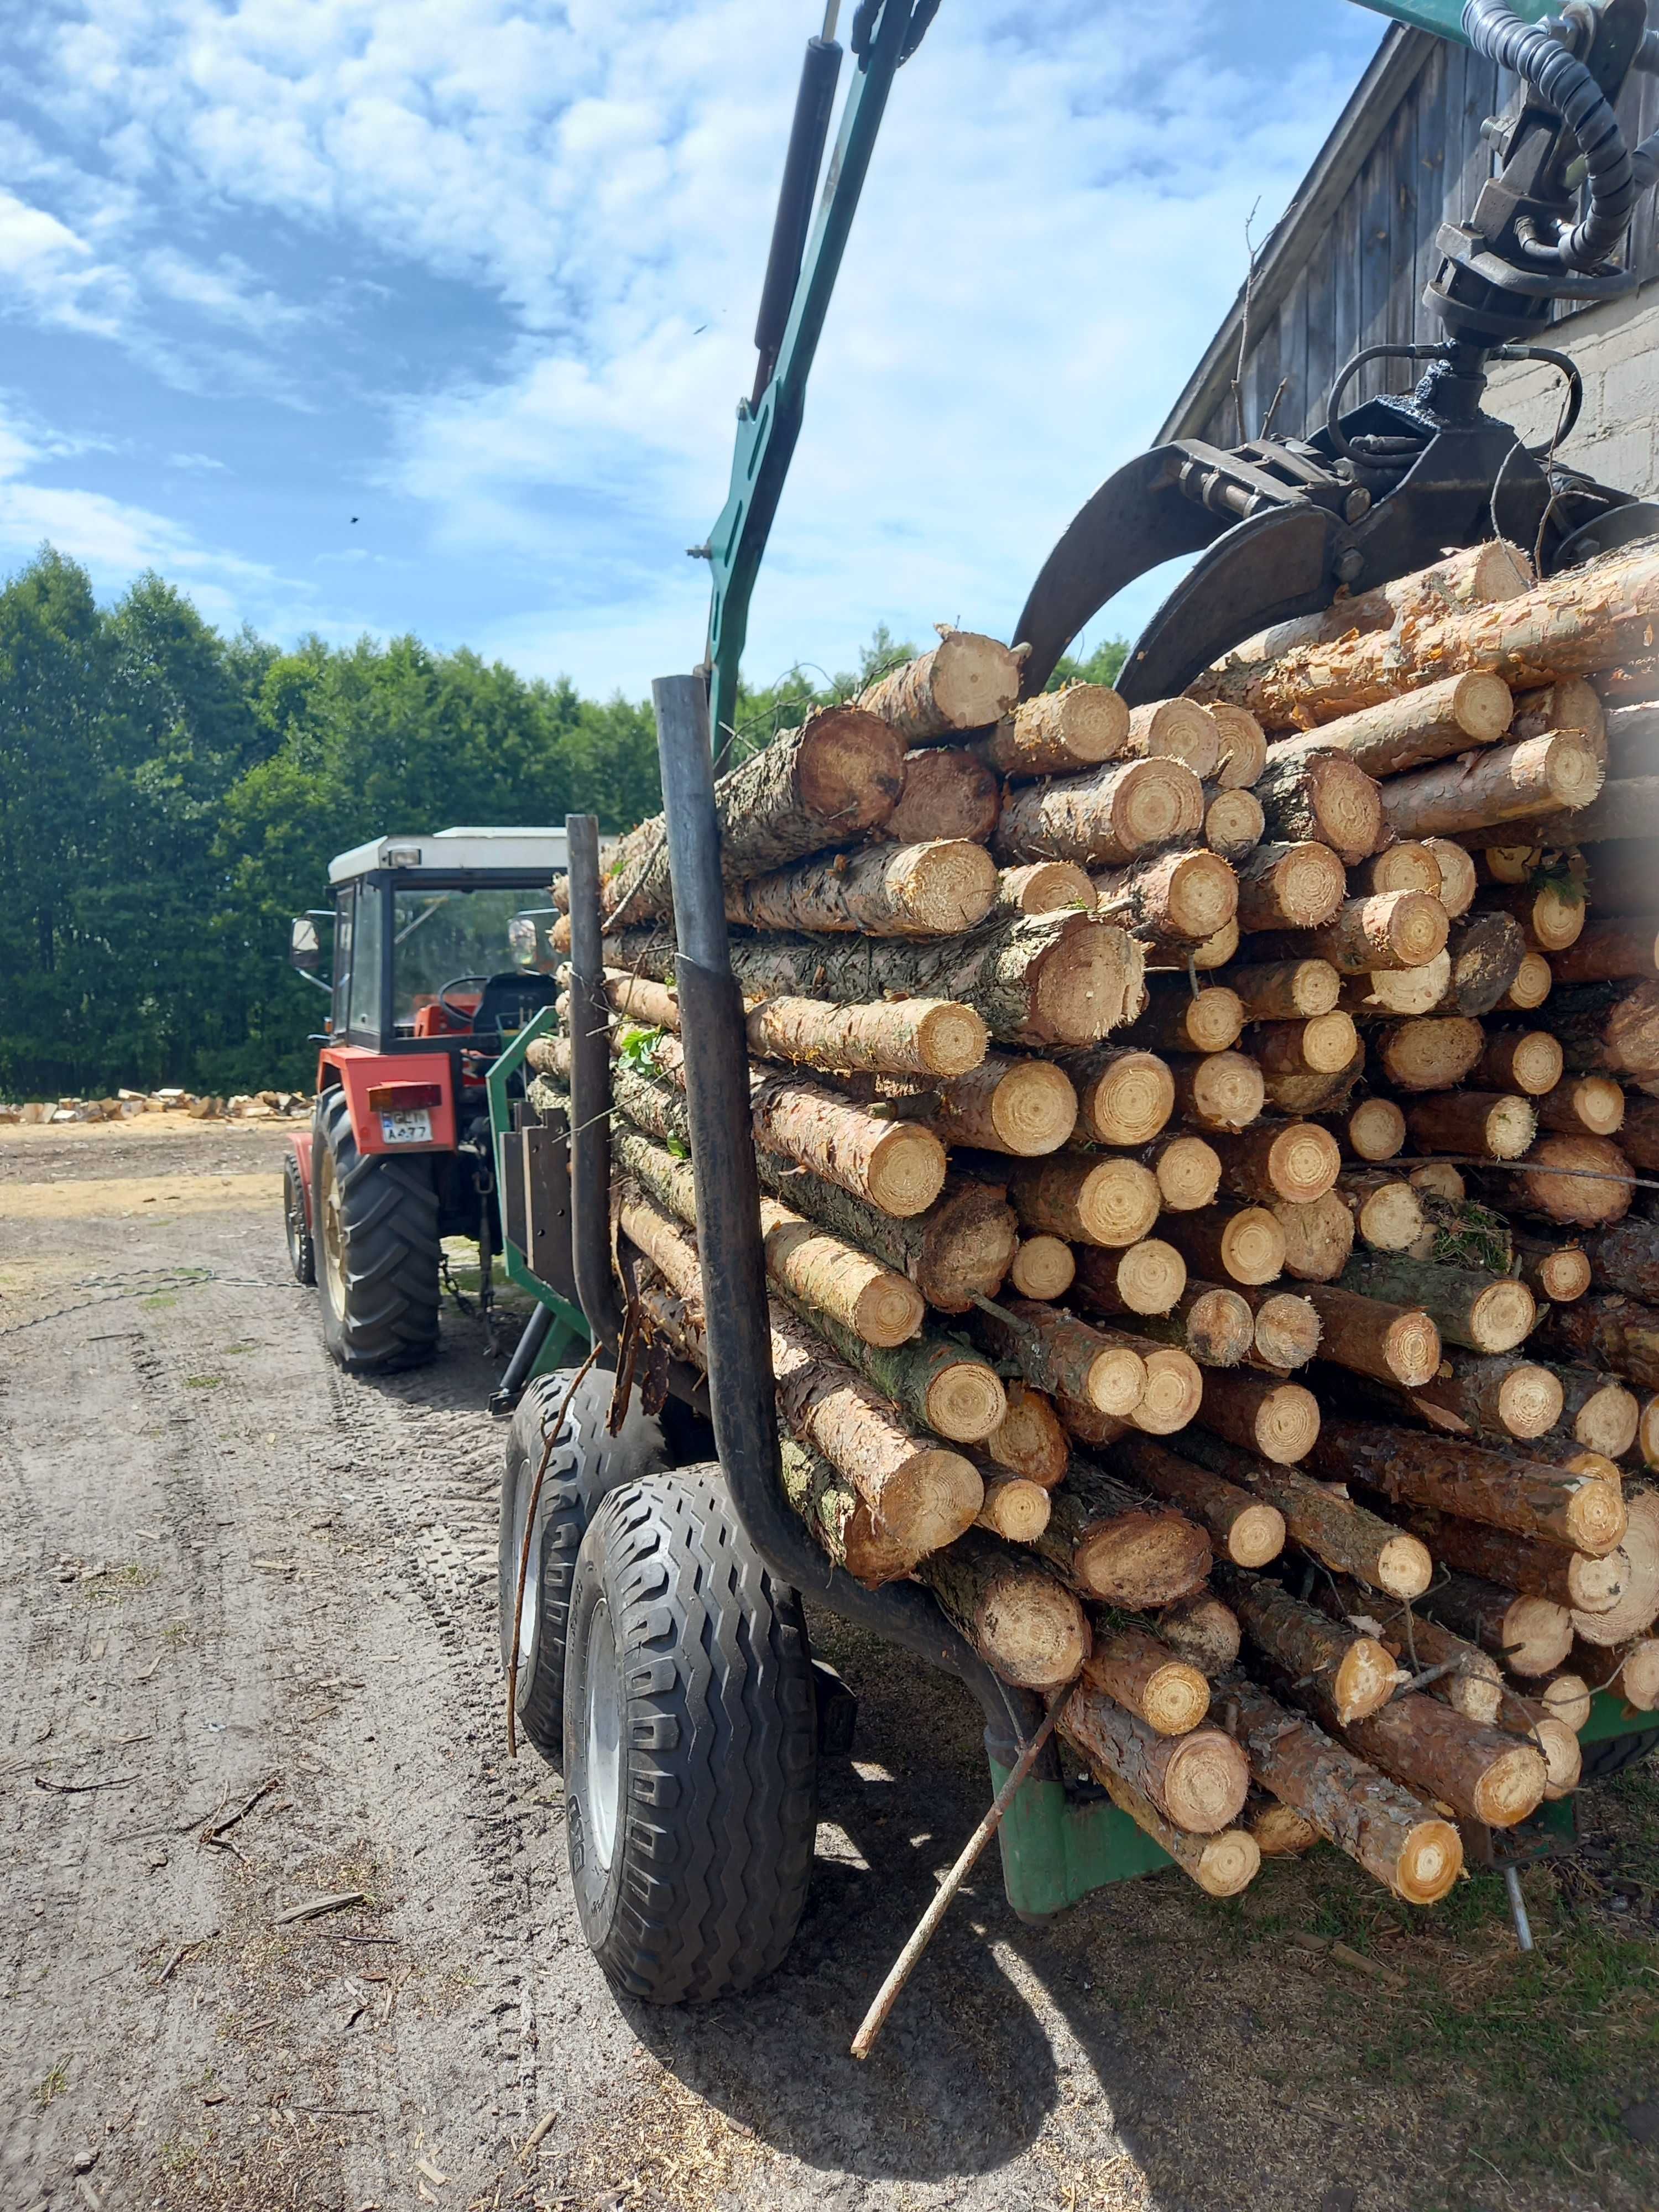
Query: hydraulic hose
{"points": [[1494, 31]]}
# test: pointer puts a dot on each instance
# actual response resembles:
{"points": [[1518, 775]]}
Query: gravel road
{"points": [[248, 1617]]}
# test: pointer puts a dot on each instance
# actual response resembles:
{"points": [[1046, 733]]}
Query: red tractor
{"points": [[442, 952]]}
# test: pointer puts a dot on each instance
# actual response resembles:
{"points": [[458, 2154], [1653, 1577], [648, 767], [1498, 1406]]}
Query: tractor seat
{"points": [[508, 1001]]}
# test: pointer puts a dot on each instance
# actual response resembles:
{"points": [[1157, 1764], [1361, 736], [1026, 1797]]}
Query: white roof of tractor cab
{"points": [[518, 850]]}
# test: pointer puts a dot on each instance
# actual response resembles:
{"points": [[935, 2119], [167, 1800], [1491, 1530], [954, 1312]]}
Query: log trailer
{"points": [[655, 1552]]}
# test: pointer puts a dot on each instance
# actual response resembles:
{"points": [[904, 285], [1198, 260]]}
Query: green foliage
{"points": [[1102, 666]]}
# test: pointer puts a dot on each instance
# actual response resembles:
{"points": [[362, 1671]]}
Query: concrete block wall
{"points": [[1616, 349]]}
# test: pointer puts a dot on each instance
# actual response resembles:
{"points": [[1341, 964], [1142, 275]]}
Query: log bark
{"points": [[1142, 1281], [1626, 1258], [1318, 1045], [947, 1390], [1201, 1629], [1434, 1053], [1286, 1328], [1104, 819], [906, 1036], [1608, 1330], [1415, 728], [1174, 729], [650, 1104], [1318, 1237], [898, 1167], [1527, 1060], [1058, 733], [1172, 899], [935, 889], [1638, 1135], [1297, 1160], [1026, 1108], [947, 793], [1572, 704], [1483, 1774], [1496, 1398], [1609, 1029], [1227, 1243], [1507, 783], [1578, 1180], [1386, 1829], [1246, 1531], [1577, 1512], [1555, 1273], [1142, 1674], [1029, 1440], [1221, 1865], [1085, 1199], [1349, 1674], [1609, 952], [1014, 1508], [966, 682], [1277, 1832], [1063, 1356], [1475, 1687], [1493, 1125], [1044, 887], [1196, 1782], [1311, 1091], [1044, 1267], [1388, 1213], [1589, 618], [1217, 1091], [1323, 1519], [1394, 929], [1243, 747], [1323, 796], [1397, 1345], [1626, 806], [1179, 1019], [1115, 1543], [839, 1520], [1188, 1172], [827, 783], [1212, 1324], [1474, 576], [1025, 1626], [549, 1056], [1522, 1564], [1290, 886], [1458, 880], [1125, 1094], [1279, 1420], [1531, 1635], [1582, 1106], [655, 1004], [1285, 990], [1233, 823], [961, 1248]]}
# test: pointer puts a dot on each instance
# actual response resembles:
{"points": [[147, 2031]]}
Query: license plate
{"points": [[414, 1128]]}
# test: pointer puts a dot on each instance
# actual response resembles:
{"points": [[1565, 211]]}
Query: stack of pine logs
{"points": [[1200, 1149]]}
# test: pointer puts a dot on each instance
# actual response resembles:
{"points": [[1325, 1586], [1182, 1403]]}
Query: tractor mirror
{"points": [[304, 946]]}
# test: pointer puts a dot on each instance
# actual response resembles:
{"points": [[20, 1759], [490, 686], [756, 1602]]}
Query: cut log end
{"points": [[1233, 823], [1597, 1193], [907, 1171], [1537, 1635], [1220, 1330], [1016, 1509], [1286, 1330], [1502, 1315], [1280, 1831], [1329, 1043], [1363, 1680], [1226, 1091], [966, 1401], [1029, 1440], [1587, 1105], [1045, 887], [1044, 1267], [1390, 1218], [1173, 1394], [1596, 1518], [1376, 1129], [1033, 1108], [1530, 1401], [1303, 1161], [1150, 1276], [1430, 1861], [1256, 1535], [1187, 1173], [1287, 1424], [1205, 1782], [1126, 1098], [1608, 1420], [932, 1498], [1404, 1567], [1532, 983], [889, 1310], [1253, 1246]]}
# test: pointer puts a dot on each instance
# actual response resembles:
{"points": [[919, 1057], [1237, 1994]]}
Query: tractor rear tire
{"points": [[691, 1745], [375, 1231], [585, 1466], [301, 1252]]}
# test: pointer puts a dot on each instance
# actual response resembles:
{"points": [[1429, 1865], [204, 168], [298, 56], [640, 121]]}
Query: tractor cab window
{"points": [[447, 944], [363, 993]]}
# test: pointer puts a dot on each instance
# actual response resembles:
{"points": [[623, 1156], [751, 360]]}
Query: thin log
{"points": [[1142, 1674], [1396, 1344], [1285, 990], [1373, 1130], [1607, 1329], [1219, 1090], [934, 890], [1402, 991], [1483, 1774], [1318, 1237], [1115, 1543], [1522, 1564], [1103, 820], [1057, 1354], [1416, 728], [1554, 1272], [965, 682], [1494, 1125], [1026, 1108], [1323, 796], [1610, 952], [1506, 783], [1290, 886], [1211, 1323], [839, 1520], [1015, 1508], [898, 1167], [1086, 1199], [1125, 1094], [1579, 1512], [948, 792], [1029, 1440], [1179, 1019], [1058, 733], [1634, 1610], [1550, 914], [933, 1378], [1171, 899], [1143, 1280], [1609, 1029], [1228, 1242], [1582, 1106], [1350, 1674], [1321, 1517], [1044, 887], [1320, 1045], [1026, 1627], [1527, 1060], [1258, 1413], [1572, 704], [1472, 1684], [1531, 1635], [1221, 1865], [1044, 1267], [1247, 1530], [1297, 1160], [1581, 1181], [1388, 1213], [959, 1250], [1435, 1053], [1196, 1782], [906, 1036], [1534, 981], [1233, 823], [1496, 1398]]}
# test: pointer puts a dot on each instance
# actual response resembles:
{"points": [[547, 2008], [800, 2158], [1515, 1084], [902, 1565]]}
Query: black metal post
{"points": [[590, 1088]]}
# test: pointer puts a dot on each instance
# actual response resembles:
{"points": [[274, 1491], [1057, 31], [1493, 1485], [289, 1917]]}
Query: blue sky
{"points": [[483, 273]]}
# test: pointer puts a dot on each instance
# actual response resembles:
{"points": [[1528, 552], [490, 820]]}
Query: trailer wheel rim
{"points": [[333, 1240], [294, 1217], [604, 1726]]}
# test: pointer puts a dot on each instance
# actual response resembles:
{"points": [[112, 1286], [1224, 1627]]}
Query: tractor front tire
{"points": [[375, 1231], [690, 1746], [584, 1465], [301, 1252]]}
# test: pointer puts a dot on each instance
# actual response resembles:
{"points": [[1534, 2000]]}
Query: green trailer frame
{"points": [[569, 1331]]}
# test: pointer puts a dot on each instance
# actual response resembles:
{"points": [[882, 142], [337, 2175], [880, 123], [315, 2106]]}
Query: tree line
{"points": [[169, 797]]}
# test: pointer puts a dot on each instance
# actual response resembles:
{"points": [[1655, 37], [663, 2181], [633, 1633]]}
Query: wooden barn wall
{"points": [[1361, 283]]}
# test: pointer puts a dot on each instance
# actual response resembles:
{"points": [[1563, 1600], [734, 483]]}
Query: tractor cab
{"points": [[443, 949]]}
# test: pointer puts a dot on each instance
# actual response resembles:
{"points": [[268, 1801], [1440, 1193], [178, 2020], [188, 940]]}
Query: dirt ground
{"points": [[232, 1584]]}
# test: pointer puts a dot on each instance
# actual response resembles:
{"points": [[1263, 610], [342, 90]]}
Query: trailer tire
{"points": [[690, 1791], [1617, 1755], [301, 1252], [375, 1235], [585, 1466]]}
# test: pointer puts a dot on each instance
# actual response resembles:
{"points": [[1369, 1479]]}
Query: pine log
{"points": [[1226, 1242], [1201, 1629], [1323, 796], [1290, 886], [1638, 1135], [1497, 1398], [906, 1036], [1633, 1612], [1626, 1258], [1174, 1389], [1247, 1530], [1258, 1413], [1103, 820], [1171, 899], [1044, 1267], [1217, 1091], [1179, 1019], [965, 682], [1143, 1675], [1621, 875], [1318, 1237], [1575, 623], [1630, 1671], [1527, 1060], [1323, 1519], [1550, 914], [1629, 731], [1026, 1108], [1125, 1094], [1493, 1125], [655, 1005], [898, 1167], [1582, 1106], [1115, 1543], [549, 1056], [961, 1248], [1596, 1410], [1174, 729], [933, 1378], [1534, 981], [1386, 1829], [1058, 733], [1434, 1053], [1458, 878], [947, 793], [1609, 951], [1483, 1774], [1063, 1356], [1188, 1172], [1025, 1626], [1286, 1327], [933, 889], [1212, 1324], [1060, 979], [1396, 1344], [1221, 1865], [1196, 1782], [1608, 1330], [1415, 728], [1285, 990], [1373, 1130], [1583, 1182], [1531, 1635], [1388, 1213], [1277, 1830], [821, 1270], [1554, 1272], [1146, 1279], [1015, 1509], [1203, 959], [1029, 1440], [1393, 930], [1626, 806], [1473, 1687], [650, 1104], [1572, 704], [839, 1520], [1305, 1056], [1243, 747], [1507, 783], [1577, 1512], [1086, 1199], [1353, 1675], [1297, 1160], [1609, 1029], [827, 783], [1233, 823], [1438, 1179], [1408, 864], [1472, 576], [1044, 887], [1522, 1564]]}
